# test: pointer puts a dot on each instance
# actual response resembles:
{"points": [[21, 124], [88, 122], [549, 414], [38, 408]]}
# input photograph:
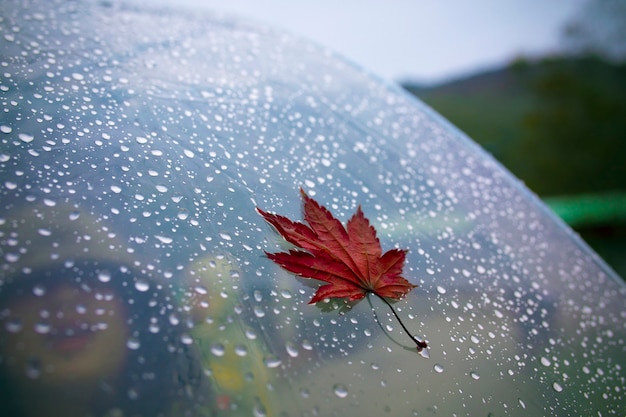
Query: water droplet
{"points": [[186, 339], [340, 390], [133, 343], [438, 368], [250, 334], [291, 349], [557, 387], [133, 394], [474, 375], [521, 403], [258, 311], [164, 239], [142, 285], [286, 294], [272, 362], [241, 350], [104, 276], [13, 325], [259, 409], [218, 349], [200, 289], [39, 290], [12, 257], [440, 289], [545, 361], [25, 137], [42, 328]]}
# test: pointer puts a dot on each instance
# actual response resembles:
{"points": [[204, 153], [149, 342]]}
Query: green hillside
{"points": [[559, 124], [489, 107]]}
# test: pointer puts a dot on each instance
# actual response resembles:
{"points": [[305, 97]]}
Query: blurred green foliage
{"points": [[574, 137], [559, 124]]}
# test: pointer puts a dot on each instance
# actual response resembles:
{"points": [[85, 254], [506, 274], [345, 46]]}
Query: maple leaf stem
{"points": [[420, 344]]}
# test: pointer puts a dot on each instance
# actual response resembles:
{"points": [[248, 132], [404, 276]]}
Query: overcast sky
{"points": [[422, 40]]}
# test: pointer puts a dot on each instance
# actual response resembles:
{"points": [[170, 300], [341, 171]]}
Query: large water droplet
{"points": [[258, 311], [164, 239], [438, 368], [291, 349], [202, 290], [186, 339], [340, 390], [183, 214], [104, 276], [42, 328], [25, 137], [259, 408], [218, 349], [272, 361], [557, 387], [474, 375], [133, 343], [241, 350], [142, 285]]}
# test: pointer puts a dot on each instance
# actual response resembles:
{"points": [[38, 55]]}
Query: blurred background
{"points": [[541, 85]]}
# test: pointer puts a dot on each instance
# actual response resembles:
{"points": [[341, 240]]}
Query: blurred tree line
{"points": [[558, 123], [573, 138]]}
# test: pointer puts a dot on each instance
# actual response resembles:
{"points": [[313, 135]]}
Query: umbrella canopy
{"points": [[135, 146]]}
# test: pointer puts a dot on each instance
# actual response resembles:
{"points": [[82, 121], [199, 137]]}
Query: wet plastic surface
{"points": [[134, 148]]}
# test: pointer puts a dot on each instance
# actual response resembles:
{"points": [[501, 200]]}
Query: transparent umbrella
{"points": [[134, 148]]}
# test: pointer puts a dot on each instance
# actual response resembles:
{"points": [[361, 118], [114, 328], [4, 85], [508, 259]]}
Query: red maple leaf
{"points": [[349, 259]]}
